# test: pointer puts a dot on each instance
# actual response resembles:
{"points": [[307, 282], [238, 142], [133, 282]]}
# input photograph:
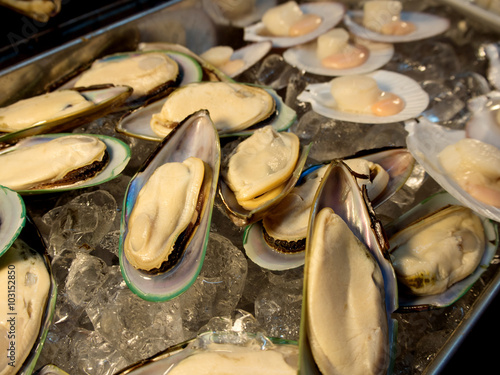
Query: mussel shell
{"points": [[195, 136], [397, 161], [432, 204], [119, 156], [12, 217], [339, 190], [425, 141], [105, 98], [241, 216], [210, 72], [189, 70], [164, 361], [137, 123], [32, 237]]}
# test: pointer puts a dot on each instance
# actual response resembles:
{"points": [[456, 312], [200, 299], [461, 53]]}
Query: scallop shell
{"points": [[196, 136], [119, 156], [218, 16], [425, 141], [304, 57], [427, 25], [12, 217], [416, 99], [136, 123], [398, 162], [105, 98], [457, 290], [332, 13]]}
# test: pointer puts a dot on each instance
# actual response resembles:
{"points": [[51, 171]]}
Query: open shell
{"points": [[30, 237], [241, 216], [189, 71], [398, 163], [339, 191], [415, 98], [425, 141], [105, 98], [119, 156], [427, 25], [12, 217], [196, 136], [457, 290], [137, 123], [332, 14]]}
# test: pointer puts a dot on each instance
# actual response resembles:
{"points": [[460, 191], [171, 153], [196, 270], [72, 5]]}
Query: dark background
{"points": [[22, 37]]}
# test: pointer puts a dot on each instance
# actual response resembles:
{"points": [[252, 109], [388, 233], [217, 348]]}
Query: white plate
{"points": [[119, 156], [427, 25], [425, 141], [332, 14], [304, 57], [12, 217], [416, 99]]}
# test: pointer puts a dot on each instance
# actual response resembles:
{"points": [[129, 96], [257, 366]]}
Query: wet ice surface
{"points": [[100, 326]]}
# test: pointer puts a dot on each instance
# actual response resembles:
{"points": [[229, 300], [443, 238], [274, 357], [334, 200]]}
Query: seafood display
{"points": [[279, 191]]}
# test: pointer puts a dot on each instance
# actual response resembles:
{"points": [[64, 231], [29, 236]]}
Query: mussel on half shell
{"points": [[195, 137], [343, 226]]}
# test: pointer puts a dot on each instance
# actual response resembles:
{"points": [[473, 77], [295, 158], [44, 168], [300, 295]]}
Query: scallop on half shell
{"points": [[427, 25], [196, 138], [331, 14], [426, 140], [346, 261]]}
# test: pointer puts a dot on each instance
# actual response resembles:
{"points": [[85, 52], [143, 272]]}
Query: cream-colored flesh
{"points": [[165, 206], [355, 93], [279, 19], [143, 72], [437, 252], [242, 361], [23, 273], [376, 14], [261, 163], [373, 187], [48, 162], [346, 317], [26, 113], [475, 166], [290, 218], [231, 106], [333, 41]]}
